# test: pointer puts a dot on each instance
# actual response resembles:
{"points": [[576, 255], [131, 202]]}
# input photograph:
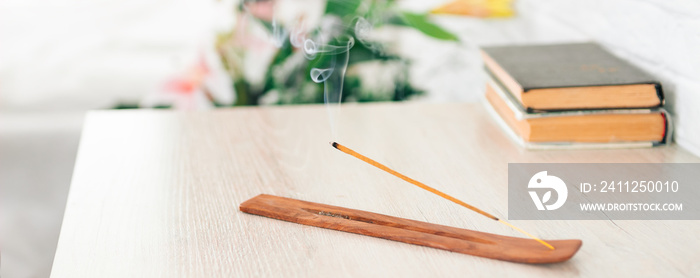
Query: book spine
{"points": [[660, 94], [669, 128]]}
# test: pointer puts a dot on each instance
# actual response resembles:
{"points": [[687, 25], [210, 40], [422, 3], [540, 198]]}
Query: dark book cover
{"points": [[567, 65]]}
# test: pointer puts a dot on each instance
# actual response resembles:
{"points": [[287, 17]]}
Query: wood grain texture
{"points": [[156, 194], [512, 249]]}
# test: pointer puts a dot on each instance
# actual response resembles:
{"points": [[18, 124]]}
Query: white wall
{"points": [[77, 54]]}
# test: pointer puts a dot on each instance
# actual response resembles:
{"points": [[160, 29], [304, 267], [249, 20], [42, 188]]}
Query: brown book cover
{"points": [[571, 77]]}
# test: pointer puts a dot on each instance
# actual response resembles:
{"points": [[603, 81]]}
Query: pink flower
{"points": [[261, 9], [198, 87], [190, 81]]}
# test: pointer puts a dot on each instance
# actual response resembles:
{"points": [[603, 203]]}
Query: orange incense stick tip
{"points": [[430, 189]]}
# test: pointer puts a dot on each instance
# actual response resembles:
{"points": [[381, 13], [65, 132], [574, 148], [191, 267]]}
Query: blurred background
{"points": [[59, 59]]}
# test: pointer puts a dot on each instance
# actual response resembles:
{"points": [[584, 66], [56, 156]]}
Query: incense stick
{"points": [[433, 190]]}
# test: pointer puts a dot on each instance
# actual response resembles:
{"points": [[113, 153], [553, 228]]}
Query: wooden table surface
{"points": [[156, 194]]}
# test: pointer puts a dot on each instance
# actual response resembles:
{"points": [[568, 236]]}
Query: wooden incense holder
{"points": [[505, 248]]}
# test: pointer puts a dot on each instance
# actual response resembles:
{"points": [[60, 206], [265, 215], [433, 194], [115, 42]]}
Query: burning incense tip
{"points": [[432, 190]]}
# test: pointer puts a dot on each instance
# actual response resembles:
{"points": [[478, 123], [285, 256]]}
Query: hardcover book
{"points": [[607, 128], [571, 77]]}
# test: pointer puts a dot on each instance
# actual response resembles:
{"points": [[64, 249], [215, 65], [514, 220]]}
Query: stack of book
{"points": [[574, 95]]}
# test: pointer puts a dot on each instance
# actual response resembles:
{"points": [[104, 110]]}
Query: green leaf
{"points": [[243, 93], [266, 24], [282, 55], [360, 53], [126, 106], [342, 8], [421, 23]]}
